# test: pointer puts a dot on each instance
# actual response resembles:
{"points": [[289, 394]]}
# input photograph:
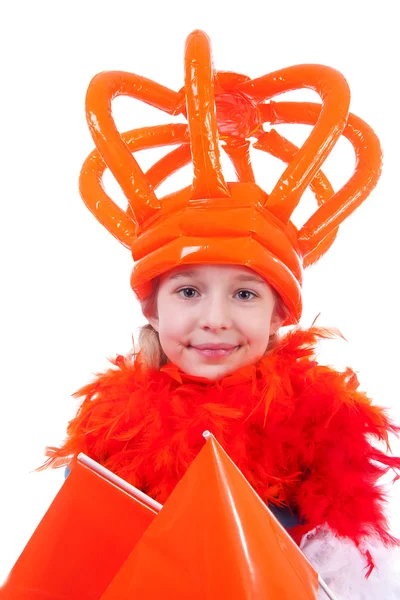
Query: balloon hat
{"points": [[214, 221]]}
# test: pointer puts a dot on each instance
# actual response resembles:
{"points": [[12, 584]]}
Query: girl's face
{"points": [[214, 319]]}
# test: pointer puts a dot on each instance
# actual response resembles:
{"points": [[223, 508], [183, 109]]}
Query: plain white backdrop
{"points": [[66, 304]]}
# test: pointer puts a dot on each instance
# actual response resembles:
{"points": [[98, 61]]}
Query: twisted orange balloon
{"points": [[214, 221]]}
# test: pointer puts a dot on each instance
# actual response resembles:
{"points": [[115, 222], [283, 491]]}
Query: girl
{"points": [[218, 271]]}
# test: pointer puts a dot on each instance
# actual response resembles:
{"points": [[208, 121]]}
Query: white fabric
{"points": [[343, 567]]}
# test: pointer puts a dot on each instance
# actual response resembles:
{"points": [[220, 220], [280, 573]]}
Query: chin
{"points": [[212, 372]]}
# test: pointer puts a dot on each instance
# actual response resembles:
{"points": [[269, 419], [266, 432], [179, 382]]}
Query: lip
{"points": [[210, 346], [214, 351]]}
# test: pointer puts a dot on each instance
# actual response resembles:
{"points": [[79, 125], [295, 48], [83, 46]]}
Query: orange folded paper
{"points": [[83, 539]]}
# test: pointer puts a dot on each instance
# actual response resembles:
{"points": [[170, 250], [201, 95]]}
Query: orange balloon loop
{"points": [[367, 171], [123, 224], [215, 221], [208, 180]]}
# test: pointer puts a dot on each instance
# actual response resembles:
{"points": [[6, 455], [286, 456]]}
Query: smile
{"points": [[214, 352]]}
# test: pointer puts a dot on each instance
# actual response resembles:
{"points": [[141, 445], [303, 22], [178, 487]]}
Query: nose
{"points": [[215, 314]]}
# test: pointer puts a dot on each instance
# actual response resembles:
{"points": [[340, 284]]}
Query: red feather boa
{"points": [[300, 432]]}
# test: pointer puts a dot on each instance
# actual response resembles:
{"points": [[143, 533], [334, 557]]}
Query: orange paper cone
{"points": [[215, 538]]}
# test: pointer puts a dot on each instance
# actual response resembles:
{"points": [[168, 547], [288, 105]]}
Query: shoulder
{"points": [[112, 398], [125, 374], [331, 397]]}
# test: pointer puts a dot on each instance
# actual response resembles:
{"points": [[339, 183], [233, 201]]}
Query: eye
{"points": [[187, 293], [246, 295]]}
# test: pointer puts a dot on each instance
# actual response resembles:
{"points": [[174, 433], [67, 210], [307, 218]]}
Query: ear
{"points": [[150, 312], [153, 322], [276, 323]]}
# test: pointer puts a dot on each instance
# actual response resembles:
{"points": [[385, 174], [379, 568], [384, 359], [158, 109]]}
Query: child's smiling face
{"points": [[214, 319]]}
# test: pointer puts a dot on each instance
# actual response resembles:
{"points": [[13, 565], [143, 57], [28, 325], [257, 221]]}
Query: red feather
{"points": [[301, 433]]}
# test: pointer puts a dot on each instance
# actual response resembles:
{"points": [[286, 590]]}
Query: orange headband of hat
{"points": [[213, 221]]}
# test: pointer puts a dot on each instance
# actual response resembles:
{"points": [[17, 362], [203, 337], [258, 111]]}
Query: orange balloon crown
{"points": [[213, 221]]}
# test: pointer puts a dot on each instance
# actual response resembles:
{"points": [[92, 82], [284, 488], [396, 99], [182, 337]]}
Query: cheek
{"points": [[172, 323], [256, 328], [168, 328], [167, 312]]}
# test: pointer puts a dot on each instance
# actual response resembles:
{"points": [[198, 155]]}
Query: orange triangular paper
{"points": [[215, 538]]}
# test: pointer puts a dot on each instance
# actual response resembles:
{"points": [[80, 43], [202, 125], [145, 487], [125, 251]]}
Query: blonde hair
{"points": [[149, 341]]}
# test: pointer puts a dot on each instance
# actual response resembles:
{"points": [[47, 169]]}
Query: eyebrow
{"points": [[239, 278], [185, 274], [252, 278]]}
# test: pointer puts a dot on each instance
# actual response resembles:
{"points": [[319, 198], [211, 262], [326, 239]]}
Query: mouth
{"points": [[214, 350]]}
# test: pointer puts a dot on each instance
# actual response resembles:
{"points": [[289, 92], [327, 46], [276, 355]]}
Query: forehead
{"points": [[229, 272]]}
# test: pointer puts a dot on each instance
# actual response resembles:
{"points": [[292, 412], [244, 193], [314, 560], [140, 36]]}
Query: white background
{"points": [[66, 304]]}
